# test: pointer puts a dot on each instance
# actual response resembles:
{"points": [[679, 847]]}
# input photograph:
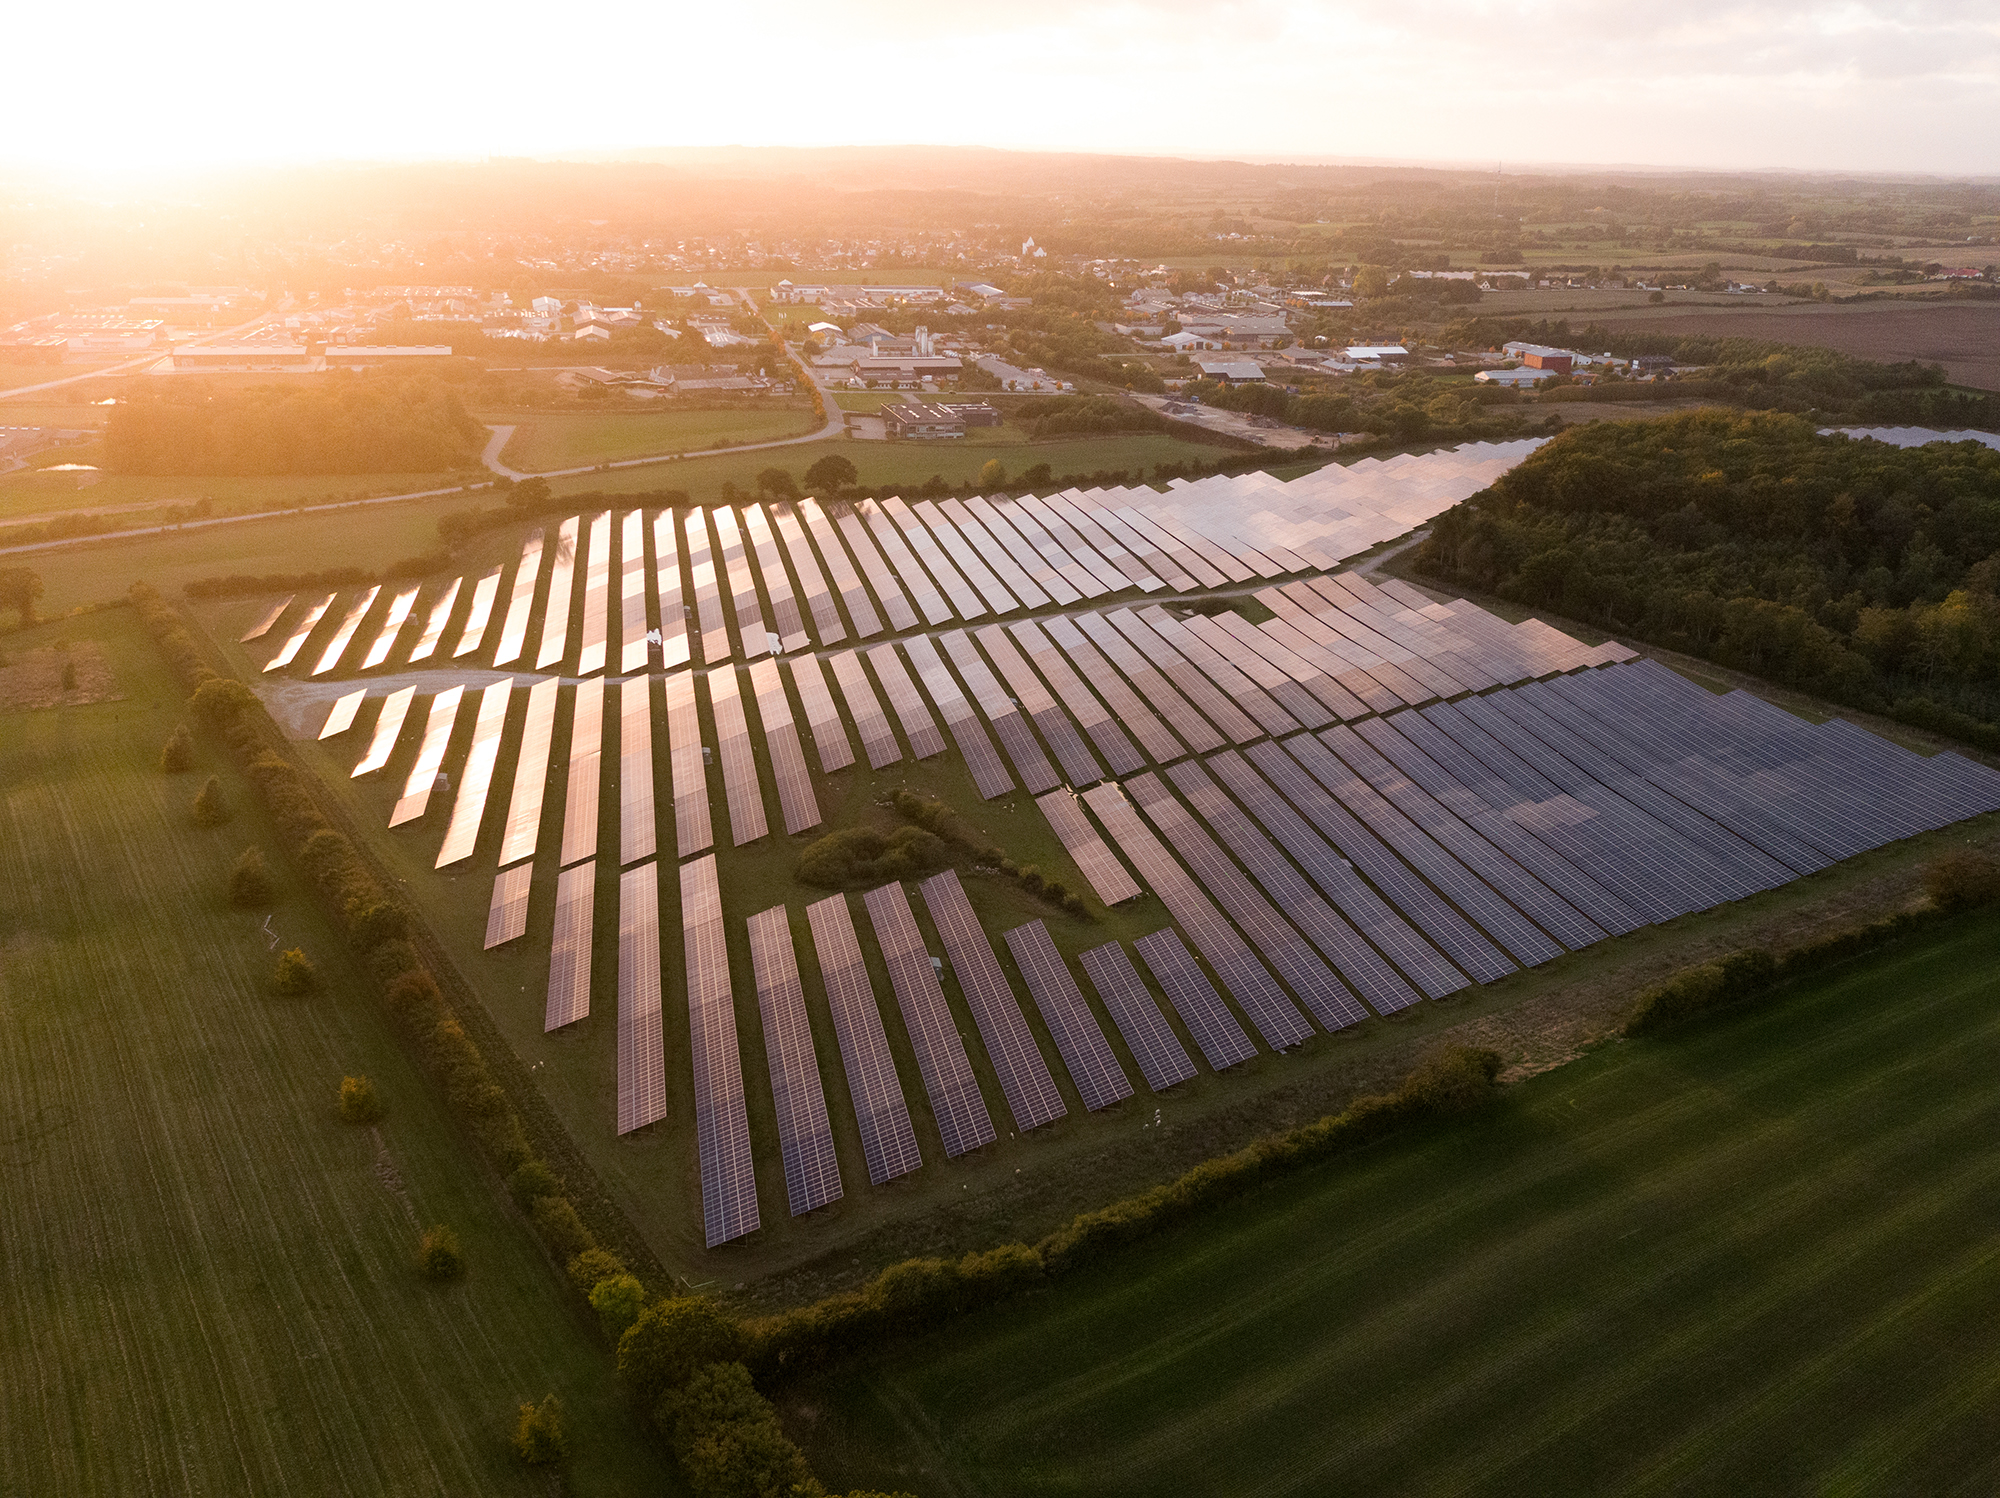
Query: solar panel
{"points": [[791, 627], [392, 625], [896, 606], [1100, 1080], [1187, 678], [349, 623], [721, 1123], [1149, 546], [477, 618], [440, 615], [1021, 589], [513, 628], [903, 562], [887, 1140], [642, 1057], [531, 773], [263, 625], [707, 591], [812, 581], [812, 1173], [1195, 1000], [830, 741], [430, 757], [1109, 649], [1163, 1060], [965, 557], [1031, 562], [1076, 661], [1074, 574], [569, 948], [1097, 863], [638, 835], [667, 584], [989, 775], [918, 725], [1168, 551], [846, 581], [299, 632], [586, 754], [1079, 765], [957, 592], [741, 789], [632, 647], [1010, 724], [1101, 539], [562, 581], [750, 627], [692, 829], [1244, 649], [507, 916], [395, 707], [1031, 1092], [961, 1115], [878, 739], [1079, 707], [781, 742], [341, 717], [1107, 577], [476, 778]]}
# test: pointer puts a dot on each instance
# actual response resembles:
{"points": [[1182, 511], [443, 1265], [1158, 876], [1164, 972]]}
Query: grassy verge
{"points": [[215, 1268], [1756, 1257]]}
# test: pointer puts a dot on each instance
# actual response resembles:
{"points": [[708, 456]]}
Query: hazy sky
{"points": [[1873, 85]]}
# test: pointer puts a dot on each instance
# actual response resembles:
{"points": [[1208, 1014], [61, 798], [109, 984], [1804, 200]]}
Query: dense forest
{"points": [[334, 423], [1862, 572]]}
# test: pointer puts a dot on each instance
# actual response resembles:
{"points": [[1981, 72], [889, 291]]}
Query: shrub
{"points": [[671, 1339], [533, 1180], [618, 1300], [358, 1101], [1962, 880], [538, 1434], [1073, 903], [210, 809], [295, 974], [438, 1255], [727, 1437], [250, 881], [593, 1265], [560, 1227], [992, 475], [861, 855], [1452, 1079], [177, 755], [222, 700]]}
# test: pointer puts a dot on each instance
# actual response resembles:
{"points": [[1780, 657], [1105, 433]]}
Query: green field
{"points": [[543, 441], [27, 494], [1758, 1257], [208, 1282]]}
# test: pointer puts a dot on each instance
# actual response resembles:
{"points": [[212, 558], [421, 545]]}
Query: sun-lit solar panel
{"points": [[1107, 578], [1099, 1079], [904, 700], [1097, 863], [531, 773], [395, 707], [1163, 1060], [896, 605], [440, 616], [341, 718], [392, 625], [1021, 589], [707, 585], [484, 592], [1058, 729], [887, 1140], [989, 775], [781, 743], [812, 1173], [1187, 678], [959, 1110], [303, 628], [569, 948], [956, 591], [1076, 578], [476, 778], [840, 568], [721, 1123], [349, 623], [830, 740], [903, 562], [586, 755], [1031, 562], [562, 583], [430, 757], [692, 831], [1096, 649], [878, 739], [263, 625], [507, 916], [742, 791], [812, 580], [514, 628], [1069, 661], [1010, 724], [637, 834], [673, 610], [786, 620], [751, 630], [1099, 534], [642, 1056], [632, 592]]}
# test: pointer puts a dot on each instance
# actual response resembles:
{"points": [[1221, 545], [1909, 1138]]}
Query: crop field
{"points": [[28, 494], [208, 1283], [543, 441], [1755, 1257]]}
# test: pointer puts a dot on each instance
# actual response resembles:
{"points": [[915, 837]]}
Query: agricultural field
{"points": [[1753, 1257], [544, 441], [31, 494], [209, 1279]]}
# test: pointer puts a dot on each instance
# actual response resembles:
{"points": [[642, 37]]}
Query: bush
{"points": [[250, 882], [618, 1300], [1962, 880], [672, 1339], [222, 700], [861, 855], [295, 974], [438, 1255], [210, 809], [727, 1437], [592, 1266], [560, 1227], [533, 1180], [538, 1434], [358, 1102], [177, 755]]}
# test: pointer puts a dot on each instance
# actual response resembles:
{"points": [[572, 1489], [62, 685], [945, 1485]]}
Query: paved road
{"points": [[131, 367]]}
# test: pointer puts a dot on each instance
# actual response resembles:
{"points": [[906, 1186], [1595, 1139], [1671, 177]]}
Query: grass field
{"points": [[14, 376], [543, 441], [1760, 1257], [26, 494], [208, 1282]]}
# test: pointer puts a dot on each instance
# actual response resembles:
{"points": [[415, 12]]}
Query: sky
{"points": [[1876, 85]]}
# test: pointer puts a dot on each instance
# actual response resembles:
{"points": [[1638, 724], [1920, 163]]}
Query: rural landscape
{"points": [[997, 816]]}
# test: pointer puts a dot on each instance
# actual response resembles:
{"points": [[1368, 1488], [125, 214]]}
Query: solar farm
{"points": [[1314, 799]]}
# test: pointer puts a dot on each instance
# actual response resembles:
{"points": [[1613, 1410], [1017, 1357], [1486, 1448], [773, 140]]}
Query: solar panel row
{"points": [[1250, 699], [562, 582], [569, 948], [595, 650], [721, 1122], [1111, 654], [904, 700], [484, 592], [946, 583], [392, 625], [741, 790], [476, 778], [896, 606], [1194, 999], [709, 618], [1100, 1080], [1087, 664], [790, 627], [984, 541], [344, 632], [970, 581], [812, 580], [878, 739], [264, 622], [1163, 1060], [507, 916], [586, 755], [1081, 709], [514, 628], [674, 649], [388, 727], [1037, 568], [304, 627], [1010, 725], [830, 741], [751, 630], [781, 742], [340, 717], [440, 615], [689, 766], [805, 1137], [531, 773], [887, 1141], [901, 561], [846, 581], [430, 757], [638, 835], [1097, 863], [642, 1056], [632, 629], [989, 775]]}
